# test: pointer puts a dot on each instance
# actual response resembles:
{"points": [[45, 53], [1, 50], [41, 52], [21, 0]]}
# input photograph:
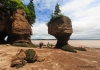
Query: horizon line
{"points": [[69, 39]]}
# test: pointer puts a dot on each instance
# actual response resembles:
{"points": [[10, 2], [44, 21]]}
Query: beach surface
{"points": [[55, 59], [75, 43]]}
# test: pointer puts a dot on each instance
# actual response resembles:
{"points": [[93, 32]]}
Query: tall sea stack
{"points": [[61, 29], [16, 27]]}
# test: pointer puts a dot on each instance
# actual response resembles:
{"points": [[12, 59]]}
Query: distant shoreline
{"points": [[87, 43], [70, 39]]}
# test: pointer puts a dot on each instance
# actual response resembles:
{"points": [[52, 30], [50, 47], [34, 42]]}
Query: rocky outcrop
{"points": [[24, 57], [61, 29], [16, 27], [21, 29], [18, 59]]}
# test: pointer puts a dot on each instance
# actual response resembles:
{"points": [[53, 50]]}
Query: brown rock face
{"points": [[16, 27], [21, 29], [18, 56], [61, 28], [20, 24], [18, 59]]}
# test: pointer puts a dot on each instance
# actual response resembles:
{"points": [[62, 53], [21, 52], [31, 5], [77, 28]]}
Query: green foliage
{"points": [[12, 5], [57, 10], [30, 55], [30, 12], [57, 14], [68, 48]]}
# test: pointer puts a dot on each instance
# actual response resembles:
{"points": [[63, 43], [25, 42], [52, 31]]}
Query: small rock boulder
{"points": [[20, 55], [25, 56], [18, 59], [29, 55]]}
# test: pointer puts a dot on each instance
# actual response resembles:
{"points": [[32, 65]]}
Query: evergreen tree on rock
{"points": [[57, 10], [31, 17], [56, 14]]}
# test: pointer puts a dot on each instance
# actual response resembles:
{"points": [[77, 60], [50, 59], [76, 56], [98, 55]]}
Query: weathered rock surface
{"points": [[61, 28], [16, 27], [18, 63], [25, 56], [18, 56], [18, 59], [20, 24]]}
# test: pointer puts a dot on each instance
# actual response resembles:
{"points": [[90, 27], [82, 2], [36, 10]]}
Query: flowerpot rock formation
{"points": [[16, 28], [61, 29]]}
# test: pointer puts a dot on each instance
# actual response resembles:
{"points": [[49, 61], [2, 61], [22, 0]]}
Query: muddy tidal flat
{"points": [[55, 59]]}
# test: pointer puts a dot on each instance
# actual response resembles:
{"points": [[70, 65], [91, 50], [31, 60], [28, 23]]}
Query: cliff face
{"points": [[20, 24], [16, 28], [61, 28]]}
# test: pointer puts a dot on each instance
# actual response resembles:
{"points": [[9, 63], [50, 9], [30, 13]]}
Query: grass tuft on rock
{"points": [[80, 48], [68, 48], [24, 44], [20, 44], [31, 44]]}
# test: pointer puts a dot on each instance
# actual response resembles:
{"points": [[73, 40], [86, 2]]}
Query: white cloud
{"points": [[85, 18], [40, 31], [75, 5]]}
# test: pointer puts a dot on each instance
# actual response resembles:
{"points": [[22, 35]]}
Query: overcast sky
{"points": [[84, 14]]}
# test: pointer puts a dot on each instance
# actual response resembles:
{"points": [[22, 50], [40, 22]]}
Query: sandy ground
{"points": [[75, 43], [55, 59]]}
